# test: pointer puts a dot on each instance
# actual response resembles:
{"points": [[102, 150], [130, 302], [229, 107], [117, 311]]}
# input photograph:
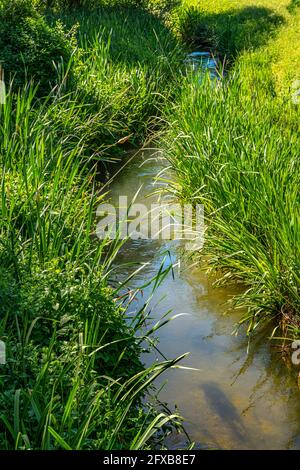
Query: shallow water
{"points": [[200, 62], [235, 400]]}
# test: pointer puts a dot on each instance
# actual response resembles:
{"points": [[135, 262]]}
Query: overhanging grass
{"points": [[126, 65], [73, 378], [235, 148]]}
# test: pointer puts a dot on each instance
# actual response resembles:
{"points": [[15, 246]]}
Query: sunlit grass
{"points": [[74, 377], [235, 149], [281, 50]]}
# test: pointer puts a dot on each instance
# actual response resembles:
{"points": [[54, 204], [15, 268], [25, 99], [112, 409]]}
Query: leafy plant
{"points": [[30, 48]]}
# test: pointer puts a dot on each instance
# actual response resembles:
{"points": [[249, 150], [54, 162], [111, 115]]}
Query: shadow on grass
{"points": [[293, 6], [136, 34], [229, 32], [127, 67]]}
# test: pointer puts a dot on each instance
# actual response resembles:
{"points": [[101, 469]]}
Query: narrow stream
{"points": [[236, 399]]}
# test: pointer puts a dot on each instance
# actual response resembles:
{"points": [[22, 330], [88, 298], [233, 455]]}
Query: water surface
{"points": [[236, 399]]}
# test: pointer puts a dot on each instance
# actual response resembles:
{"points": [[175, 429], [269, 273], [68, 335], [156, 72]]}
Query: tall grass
{"points": [[125, 62], [235, 148], [73, 377], [231, 27]]}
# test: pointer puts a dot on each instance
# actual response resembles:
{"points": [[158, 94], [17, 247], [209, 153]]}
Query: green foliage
{"points": [[30, 48], [229, 28], [227, 32], [70, 4], [114, 70], [293, 6], [125, 66], [73, 378], [235, 148]]}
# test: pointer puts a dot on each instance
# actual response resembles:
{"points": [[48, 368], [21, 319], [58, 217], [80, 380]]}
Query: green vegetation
{"points": [[237, 154], [267, 28], [116, 73], [30, 48], [86, 79], [235, 148], [73, 377]]}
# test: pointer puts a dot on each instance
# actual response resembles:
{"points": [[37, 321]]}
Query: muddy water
{"points": [[236, 399]]}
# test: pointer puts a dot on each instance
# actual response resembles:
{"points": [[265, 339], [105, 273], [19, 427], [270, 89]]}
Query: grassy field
{"points": [[235, 148]]}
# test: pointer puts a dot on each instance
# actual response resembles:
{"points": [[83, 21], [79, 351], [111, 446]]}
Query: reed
{"points": [[73, 377], [234, 147]]}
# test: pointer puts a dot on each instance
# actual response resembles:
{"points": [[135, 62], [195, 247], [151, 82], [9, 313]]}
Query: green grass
{"points": [[125, 65], [235, 147], [74, 378], [267, 27]]}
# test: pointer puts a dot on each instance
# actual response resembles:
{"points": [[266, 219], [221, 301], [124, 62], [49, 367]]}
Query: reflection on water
{"points": [[201, 62], [235, 400]]}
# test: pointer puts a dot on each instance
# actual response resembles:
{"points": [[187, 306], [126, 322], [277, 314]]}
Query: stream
{"points": [[238, 397]]}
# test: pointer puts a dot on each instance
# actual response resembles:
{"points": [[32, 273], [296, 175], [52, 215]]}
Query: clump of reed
{"points": [[235, 148]]}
